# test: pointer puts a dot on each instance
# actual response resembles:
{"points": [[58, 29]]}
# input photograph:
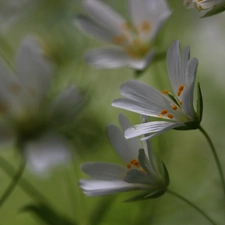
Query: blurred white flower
{"points": [[142, 170], [132, 41], [28, 116], [176, 109], [202, 4]]}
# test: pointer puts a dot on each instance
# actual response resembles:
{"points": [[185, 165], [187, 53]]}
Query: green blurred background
{"points": [[186, 154]]}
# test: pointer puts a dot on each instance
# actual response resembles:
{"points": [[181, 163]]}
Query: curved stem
{"points": [[191, 204], [22, 182], [12, 185], [216, 158]]}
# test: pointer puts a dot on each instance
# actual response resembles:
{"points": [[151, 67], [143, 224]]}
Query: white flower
{"points": [[27, 115], [202, 4], [142, 171], [176, 110], [132, 42]]}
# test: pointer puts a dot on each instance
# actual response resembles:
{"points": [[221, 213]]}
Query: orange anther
{"points": [[170, 116], [181, 88], [165, 92], [174, 107], [180, 102], [135, 163], [128, 166], [163, 112]]}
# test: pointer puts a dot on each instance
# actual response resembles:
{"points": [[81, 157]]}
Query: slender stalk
{"points": [[28, 188], [12, 185], [192, 205], [216, 158]]}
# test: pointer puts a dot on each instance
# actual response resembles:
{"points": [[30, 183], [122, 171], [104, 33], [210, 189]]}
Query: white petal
{"points": [[122, 146], [188, 4], [155, 12], [66, 104], [102, 187], [142, 99], [85, 24], [133, 143], [155, 128], [46, 152], [33, 69], [107, 58], [104, 16], [174, 66], [188, 94], [104, 171]]}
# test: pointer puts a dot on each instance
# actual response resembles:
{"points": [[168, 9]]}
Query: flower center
{"points": [[131, 39], [134, 164]]}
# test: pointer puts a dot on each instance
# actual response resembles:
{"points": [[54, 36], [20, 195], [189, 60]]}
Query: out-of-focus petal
{"points": [[65, 105], [148, 15], [46, 152], [33, 69], [104, 16], [85, 24]]}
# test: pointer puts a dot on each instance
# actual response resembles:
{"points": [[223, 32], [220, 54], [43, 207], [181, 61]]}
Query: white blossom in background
{"points": [[28, 116], [132, 42], [141, 169], [175, 110], [202, 5]]}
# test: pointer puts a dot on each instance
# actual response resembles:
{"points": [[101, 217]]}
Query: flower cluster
{"points": [[142, 171]]}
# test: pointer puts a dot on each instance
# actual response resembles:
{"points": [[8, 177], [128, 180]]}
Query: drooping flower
{"points": [[28, 115], [215, 6], [176, 110], [141, 170], [132, 41]]}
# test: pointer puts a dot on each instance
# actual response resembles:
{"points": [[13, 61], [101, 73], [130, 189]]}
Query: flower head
{"points": [[203, 5], [176, 109], [132, 41], [28, 115], [141, 169]]}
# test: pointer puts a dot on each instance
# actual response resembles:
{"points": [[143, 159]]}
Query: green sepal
{"points": [[146, 195], [216, 9], [190, 125], [165, 174], [199, 103], [47, 214]]}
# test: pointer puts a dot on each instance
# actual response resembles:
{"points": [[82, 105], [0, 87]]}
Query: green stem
{"points": [[216, 158], [28, 188], [191, 204], [12, 185]]}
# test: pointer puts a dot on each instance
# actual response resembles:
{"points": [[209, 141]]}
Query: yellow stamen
{"points": [[118, 40], [170, 116], [126, 26], [165, 92], [145, 26]]}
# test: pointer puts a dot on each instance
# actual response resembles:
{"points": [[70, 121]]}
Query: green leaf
{"points": [[216, 9], [199, 103], [47, 214]]}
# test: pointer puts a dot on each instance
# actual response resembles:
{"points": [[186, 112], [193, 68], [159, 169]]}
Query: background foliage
{"points": [[186, 154]]}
